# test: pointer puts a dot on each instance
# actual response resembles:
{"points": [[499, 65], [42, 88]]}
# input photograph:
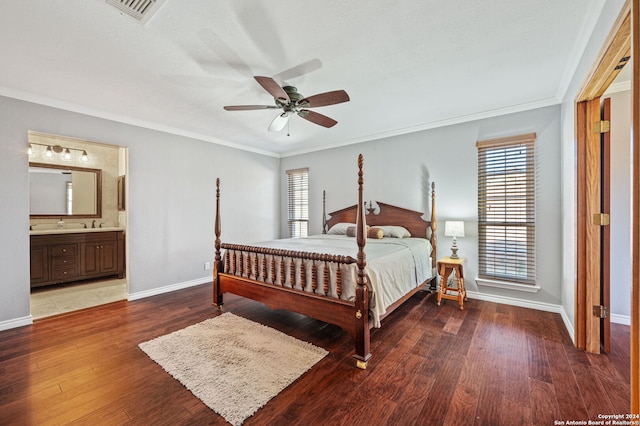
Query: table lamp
{"points": [[454, 228]]}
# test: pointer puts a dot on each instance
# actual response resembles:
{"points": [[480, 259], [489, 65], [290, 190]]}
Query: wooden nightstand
{"points": [[446, 266]]}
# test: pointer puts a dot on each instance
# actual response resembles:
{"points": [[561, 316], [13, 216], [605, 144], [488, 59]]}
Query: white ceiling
{"points": [[407, 65]]}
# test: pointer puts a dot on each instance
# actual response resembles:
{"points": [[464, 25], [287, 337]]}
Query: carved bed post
{"points": [[324, 212], [217, 263], [433, 238], [362, 332]]}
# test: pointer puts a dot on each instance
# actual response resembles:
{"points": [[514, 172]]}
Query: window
{"points": [[506, 209], [69, 192], [298, 202]]}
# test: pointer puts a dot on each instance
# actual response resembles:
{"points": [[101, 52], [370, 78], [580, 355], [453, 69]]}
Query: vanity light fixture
{"points": [[66, 152]]}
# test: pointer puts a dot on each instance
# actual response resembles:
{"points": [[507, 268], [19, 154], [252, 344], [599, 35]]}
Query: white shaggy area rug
{"points": [[235, 366]]}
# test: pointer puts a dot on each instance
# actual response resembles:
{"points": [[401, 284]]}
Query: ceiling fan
{"points": [[292, 102]]}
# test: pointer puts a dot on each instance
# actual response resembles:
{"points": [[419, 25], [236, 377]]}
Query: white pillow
{"points": [[340, 228], [395, 231]]}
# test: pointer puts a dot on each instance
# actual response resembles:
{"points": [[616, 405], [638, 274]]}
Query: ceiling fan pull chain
{"points": [[288, 121]]}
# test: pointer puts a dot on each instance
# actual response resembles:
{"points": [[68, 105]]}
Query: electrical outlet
{"points": [[207, 266]]}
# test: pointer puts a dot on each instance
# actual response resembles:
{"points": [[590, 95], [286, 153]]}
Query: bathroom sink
{"points": [[55, 230]]}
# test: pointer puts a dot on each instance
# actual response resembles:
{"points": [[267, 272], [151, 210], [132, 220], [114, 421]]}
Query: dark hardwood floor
{"points": [[487, 365]]}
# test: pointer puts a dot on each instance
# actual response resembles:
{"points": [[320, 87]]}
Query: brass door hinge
{"points": [[601, 126], [600, 311], [601, 219]]}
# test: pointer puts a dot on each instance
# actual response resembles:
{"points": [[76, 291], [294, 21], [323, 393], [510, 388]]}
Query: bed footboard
{"points": [[330, 310], [262, 274], [287, 268]]}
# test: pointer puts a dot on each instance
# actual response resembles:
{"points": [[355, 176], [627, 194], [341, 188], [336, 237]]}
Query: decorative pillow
{"points": [[340, 228], [351, 231], [375, 233], [395, 231]]}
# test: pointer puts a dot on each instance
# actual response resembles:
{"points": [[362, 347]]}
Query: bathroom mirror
{"points": [[64, 191]]}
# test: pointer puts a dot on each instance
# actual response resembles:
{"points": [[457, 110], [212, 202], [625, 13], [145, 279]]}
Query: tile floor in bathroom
{"points": [[60, 299]]}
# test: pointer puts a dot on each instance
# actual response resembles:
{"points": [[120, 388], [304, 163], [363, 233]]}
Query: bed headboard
{"points": [[381, 213], [384, 214]]}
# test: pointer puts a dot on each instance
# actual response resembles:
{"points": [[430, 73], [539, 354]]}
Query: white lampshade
{"points": [[454, 228]]}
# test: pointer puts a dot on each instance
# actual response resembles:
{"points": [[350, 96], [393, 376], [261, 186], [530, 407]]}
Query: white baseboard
{"points": [[540, 306], [16, 322], [620, 319], [568, 325], [28, 320], [167, 288]]}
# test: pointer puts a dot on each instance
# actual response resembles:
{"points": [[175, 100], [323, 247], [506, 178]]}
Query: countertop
{"points": [[74, 230]]}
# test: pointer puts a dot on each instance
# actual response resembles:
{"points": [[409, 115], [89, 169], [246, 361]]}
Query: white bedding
{"points": [[394, 266]]}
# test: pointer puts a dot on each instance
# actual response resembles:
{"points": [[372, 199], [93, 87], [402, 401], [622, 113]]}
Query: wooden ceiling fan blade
{"points": [[248, 107], [279, 122], [273, 88], [299, 70], [324, 99], [316, 118]]}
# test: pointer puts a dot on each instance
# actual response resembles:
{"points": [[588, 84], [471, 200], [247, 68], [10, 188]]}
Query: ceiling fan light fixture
{"points": [[292, 102], [279, 122]]}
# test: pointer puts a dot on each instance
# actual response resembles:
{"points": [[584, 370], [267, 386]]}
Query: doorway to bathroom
{"points": [[77, 224]]}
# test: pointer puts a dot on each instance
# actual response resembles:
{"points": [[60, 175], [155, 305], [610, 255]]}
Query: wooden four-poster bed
{"points": [[331, 284]]}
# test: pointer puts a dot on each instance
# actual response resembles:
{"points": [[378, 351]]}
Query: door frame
{"points": [[635, 218], [619, 43], [588, 169]]}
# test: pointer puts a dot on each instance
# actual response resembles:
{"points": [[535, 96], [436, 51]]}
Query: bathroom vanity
{"points": [[66, 255]]}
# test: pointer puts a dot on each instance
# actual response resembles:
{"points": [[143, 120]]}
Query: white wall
{"points": [[608, 16], [399, 171], [620, 228], [171, 196]]}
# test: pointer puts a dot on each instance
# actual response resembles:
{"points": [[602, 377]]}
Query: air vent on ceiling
{"points": [[140, 10]]}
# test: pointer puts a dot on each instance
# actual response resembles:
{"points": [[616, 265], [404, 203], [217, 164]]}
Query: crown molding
{"points": [[432, 125], [68, 106]]}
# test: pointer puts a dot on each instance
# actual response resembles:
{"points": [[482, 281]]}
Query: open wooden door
{"points": [[589, 276], [605, 229]]}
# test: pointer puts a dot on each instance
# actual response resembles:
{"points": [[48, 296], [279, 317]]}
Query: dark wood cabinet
{"points": [[63, 259], [99, 256], [59, 258], [39, 264]]}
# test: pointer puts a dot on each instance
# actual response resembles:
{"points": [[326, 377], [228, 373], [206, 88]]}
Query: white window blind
{"points": [[506, 209], [298, 202]]}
